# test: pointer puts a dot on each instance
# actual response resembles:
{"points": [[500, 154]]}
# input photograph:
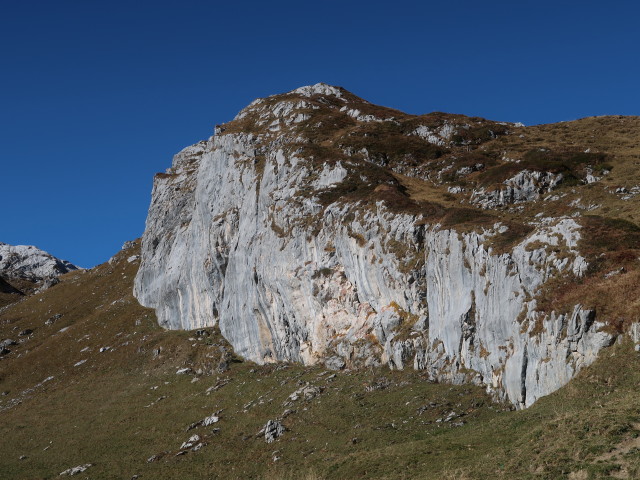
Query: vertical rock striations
{"points": [[302, 250]]}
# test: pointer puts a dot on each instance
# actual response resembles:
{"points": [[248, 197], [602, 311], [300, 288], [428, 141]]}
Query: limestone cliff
{"points": [[296, 229]]}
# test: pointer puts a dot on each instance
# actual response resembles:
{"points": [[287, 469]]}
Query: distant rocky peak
{"points": [[30, 263]]}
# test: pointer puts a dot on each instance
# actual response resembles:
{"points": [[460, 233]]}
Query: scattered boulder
{"points": [[7, 343], [335, 363], [210, 420], [272, 430], [307, 392], [51, 320], [76, 470], [193, 439], [198, 446], [128, 244], [184, 371], [613, 273]]}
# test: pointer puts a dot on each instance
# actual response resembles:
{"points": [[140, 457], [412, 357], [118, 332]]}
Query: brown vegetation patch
{"points": [[610, 286]]}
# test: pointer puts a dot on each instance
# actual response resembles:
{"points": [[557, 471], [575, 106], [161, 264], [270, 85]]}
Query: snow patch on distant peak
{"points": [[319, 89]]}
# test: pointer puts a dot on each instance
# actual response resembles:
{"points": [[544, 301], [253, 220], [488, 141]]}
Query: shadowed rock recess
{"points": [[296, 229]]}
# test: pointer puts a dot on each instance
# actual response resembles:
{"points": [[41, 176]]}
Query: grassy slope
{"points": [[108, 411]]}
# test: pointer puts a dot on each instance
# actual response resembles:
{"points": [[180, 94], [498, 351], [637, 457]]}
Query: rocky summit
{"points": [[318, 228]]}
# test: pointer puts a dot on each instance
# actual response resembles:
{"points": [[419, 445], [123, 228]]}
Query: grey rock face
{"points": [[193, 439], [272, 431], [335, 363], [237, 236], [7, 343], [210, 420], [526, 186], [128, 244], [31, 263]]}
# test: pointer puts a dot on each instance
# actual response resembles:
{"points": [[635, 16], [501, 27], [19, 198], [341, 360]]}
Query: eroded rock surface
{"points": [[258, 230], [26, 262], [526, 186]]}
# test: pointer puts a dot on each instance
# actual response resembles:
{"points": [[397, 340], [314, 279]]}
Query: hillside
{"points": [[319, 228], [65, 403], [342, 290]]}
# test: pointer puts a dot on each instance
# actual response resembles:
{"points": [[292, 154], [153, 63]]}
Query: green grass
{"points": [[371, 423]]}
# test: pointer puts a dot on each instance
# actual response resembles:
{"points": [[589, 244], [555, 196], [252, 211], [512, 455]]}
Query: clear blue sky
{"points": [[95, 97]]}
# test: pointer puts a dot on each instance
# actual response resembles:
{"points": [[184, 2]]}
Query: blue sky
{"points": [[96, 97]]}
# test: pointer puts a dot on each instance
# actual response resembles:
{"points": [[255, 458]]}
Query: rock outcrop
{"points": [[526, 186], [30, 263], [303, 253], [27, 269]]}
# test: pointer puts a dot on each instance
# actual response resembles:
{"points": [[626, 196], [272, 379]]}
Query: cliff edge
{"points": [[317, 227]]}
